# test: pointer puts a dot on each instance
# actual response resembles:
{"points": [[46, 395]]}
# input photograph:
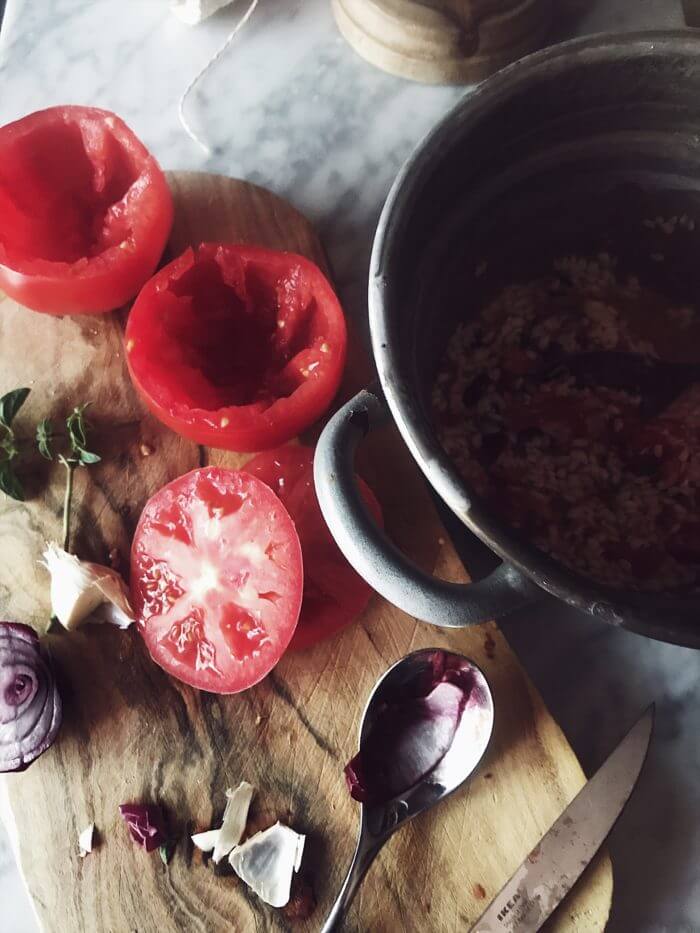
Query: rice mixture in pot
{"points": [[578, 470]]}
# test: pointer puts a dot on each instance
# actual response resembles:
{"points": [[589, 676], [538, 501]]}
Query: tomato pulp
{"points": [[216, 579], [334, 594], [237, 347], [85, 211]]}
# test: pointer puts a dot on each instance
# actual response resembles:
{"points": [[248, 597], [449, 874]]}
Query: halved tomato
{"points": [[216, 579], [237, 347], [334, 594], [85, 211]]}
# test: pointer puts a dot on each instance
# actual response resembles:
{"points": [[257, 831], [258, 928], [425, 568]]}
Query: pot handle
{"points": [[376, 558]]}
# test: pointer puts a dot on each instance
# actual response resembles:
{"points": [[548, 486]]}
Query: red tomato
{"points": [[334, 594], [216, 579], [237, 347], [85, 211], [658, 448]]}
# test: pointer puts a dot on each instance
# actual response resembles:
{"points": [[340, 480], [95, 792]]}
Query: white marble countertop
{"points": [[291, 107]]}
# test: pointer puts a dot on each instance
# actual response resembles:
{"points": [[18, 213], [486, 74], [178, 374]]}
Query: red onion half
{"points": [[30, 705]]}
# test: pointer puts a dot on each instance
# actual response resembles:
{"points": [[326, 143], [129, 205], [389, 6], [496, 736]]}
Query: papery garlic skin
{"points": [[206, 840], [85, 840], [85, 592], [235, 818], [233, 824], [267, 861]]}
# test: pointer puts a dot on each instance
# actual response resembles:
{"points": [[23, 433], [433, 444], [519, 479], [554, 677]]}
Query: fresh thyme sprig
{"points": [[77, 430], [75, 453]]}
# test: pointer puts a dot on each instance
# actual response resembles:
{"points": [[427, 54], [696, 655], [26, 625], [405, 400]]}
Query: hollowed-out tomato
{"points": [[216, 579], [237, 347], [334, 594], [85, 211]]}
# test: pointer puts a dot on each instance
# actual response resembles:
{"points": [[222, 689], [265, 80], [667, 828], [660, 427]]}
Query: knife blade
{"points": [[557, 861]]}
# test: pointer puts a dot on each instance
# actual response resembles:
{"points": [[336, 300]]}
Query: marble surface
{"points": [[290, 106]]}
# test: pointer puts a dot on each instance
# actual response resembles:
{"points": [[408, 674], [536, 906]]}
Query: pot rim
{"points": [[639, 611]]}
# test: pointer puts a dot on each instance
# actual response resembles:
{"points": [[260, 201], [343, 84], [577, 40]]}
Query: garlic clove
{"points": [[115, 608], [235, 818], [267, 861], [85, 592]]}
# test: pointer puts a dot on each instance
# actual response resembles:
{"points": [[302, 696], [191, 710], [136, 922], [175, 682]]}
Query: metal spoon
{"points": [[380, 821]]}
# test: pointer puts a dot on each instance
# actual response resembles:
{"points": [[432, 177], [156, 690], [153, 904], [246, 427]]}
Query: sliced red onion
{"points": [[146, 824], [411, 733], [30, 705]]}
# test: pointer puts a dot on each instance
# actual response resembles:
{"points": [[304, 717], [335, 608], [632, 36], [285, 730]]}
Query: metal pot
{"points": [[566, 151]]}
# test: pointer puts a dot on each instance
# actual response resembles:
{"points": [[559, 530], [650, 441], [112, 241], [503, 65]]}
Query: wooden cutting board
{"points": [[131, 733]]}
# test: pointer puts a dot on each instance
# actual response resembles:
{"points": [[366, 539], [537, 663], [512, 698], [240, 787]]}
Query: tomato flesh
{"points": [[334, 594], [216, 579], [85, 211], [237, 347]]}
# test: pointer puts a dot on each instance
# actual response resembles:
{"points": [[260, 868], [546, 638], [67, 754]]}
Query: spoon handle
{"points": [[365, 854]]}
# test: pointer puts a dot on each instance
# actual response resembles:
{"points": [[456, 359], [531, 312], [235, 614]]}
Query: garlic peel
{"points": [[267, 861], [235, 818], [85, 592], [207, 840], [85, 840]]}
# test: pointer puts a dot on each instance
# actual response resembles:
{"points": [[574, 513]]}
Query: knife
{"points": [[557, 861]]}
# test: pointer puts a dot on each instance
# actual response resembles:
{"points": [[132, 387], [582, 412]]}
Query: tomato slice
{"points": [[216, 579], [334, 594], [85, 211], [237, 347]]}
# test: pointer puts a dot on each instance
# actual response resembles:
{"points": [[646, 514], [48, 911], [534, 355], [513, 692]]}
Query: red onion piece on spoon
{"points": [[30, 705], [412, 731]]}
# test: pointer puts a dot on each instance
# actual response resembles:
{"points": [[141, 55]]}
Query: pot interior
{"points": [[568, 152]]}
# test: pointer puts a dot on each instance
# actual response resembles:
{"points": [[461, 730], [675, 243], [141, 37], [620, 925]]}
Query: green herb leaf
{"points": [[76, 424], [9, 483], [9, 446], [44, 432], [86, 457], [166, 852], [10, 404]]}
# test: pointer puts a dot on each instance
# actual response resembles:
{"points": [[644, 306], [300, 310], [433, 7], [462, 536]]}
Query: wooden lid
{"points": [[443, 41]]}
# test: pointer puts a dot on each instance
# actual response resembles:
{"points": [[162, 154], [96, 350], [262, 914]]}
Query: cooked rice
{"points": [[575, 469]]}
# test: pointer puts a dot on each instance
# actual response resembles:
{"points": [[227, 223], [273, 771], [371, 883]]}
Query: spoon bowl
{"points": [[413, 676]]}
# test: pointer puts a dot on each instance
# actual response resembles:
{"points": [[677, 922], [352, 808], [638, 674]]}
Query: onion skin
{"points": [[30, 704], [146, 824]]}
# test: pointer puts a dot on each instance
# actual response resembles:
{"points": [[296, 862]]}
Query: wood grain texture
{"points": [[443, 41], [131, 733]]}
